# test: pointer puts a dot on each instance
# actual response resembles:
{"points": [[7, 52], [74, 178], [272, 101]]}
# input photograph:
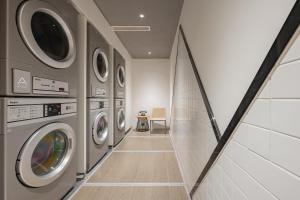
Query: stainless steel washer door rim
{"points": [[121, 119], [101, 76], [24, 166], [121, 76], [101, 137], [25, 16]]}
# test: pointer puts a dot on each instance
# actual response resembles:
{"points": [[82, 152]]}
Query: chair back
{"points": [[158, 113]]}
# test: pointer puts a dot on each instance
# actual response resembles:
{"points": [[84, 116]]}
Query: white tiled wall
{"points": [[262, 159], [191, 131]]}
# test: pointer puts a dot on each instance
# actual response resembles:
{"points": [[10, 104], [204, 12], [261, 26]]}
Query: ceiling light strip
{"points": [[131, 28]]}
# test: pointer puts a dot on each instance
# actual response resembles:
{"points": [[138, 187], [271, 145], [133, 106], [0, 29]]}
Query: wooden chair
{"points": [[158, 114]]}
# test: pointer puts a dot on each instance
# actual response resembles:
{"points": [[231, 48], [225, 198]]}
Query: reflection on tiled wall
{"points": [[191, 130], [262, 159]]}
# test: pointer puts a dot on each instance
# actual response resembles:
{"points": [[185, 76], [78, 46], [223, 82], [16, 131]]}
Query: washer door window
{"points": [[121, 76], [121, 119], [100, 129], [46, 34], [46, 155], [100, 65]]}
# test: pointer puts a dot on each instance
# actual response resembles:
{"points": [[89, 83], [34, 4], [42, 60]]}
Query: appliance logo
{"points": [[22, 83]]}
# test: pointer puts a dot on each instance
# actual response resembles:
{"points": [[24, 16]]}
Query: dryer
{"points": [[119, 75], [98, 81], [37, 142], [38, 57], [119, 120], [97, 131]]}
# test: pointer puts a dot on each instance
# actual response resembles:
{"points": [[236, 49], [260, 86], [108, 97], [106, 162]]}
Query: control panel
{"points": [[24, 83], [100, 92], [47, 86], [20, 110], [94, 105], [120, 103], [120, 93]]}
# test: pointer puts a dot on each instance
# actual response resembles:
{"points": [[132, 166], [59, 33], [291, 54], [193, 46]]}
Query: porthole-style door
{"points": [[100, 65], [100, 128], [121, 119], [46, 155], [121, 76], [46, 34]]}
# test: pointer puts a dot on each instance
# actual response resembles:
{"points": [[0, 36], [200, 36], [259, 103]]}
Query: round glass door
{"points": [[46, 34], [100, 128], [100, 65], [121, 76], [121, 119], [46, 155], [49, 153]]}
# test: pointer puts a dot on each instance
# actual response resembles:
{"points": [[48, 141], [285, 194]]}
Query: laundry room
{"points": [[149, 100]]}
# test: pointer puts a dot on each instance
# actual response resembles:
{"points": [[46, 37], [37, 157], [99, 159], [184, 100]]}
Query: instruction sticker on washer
{"points": [[24, 112]]}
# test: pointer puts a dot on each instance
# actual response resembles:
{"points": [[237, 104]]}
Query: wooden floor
{"points": [[131, 193], [142, 167]]}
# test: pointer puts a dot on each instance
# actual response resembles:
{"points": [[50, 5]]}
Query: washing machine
{"points": [[97, 131], [37, 148], [119, 120], [38, 52], [119, 75], [98, 81]]}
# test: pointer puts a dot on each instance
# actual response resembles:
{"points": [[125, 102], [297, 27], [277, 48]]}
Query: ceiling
{"points": [[161, 15]]}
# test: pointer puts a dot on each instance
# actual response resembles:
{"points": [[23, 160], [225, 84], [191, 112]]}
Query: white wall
{"points": [[261, 161], [229, 40], [150, 85], [173, 61], [89, 12]]}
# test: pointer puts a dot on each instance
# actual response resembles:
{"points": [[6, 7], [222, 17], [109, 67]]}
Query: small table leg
{"points": [[166, 126]]}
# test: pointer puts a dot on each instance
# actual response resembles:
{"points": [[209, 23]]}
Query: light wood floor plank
{"points": [[131, 193], [138, 167], [146, 144]]}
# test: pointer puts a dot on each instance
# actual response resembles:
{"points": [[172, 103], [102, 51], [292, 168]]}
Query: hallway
{"points": [[149, 171]]}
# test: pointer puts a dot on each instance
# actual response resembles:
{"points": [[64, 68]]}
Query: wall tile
{"points": [[285, 115], [234, 193], [284, 150], [259, 114], [252, 189], [278, 181], [255, 138], [293, 53], [285, 81], [265, 93]]}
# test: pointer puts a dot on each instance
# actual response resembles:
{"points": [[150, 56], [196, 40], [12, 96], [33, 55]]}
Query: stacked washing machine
{"points": [[98, 93], [119, 97], [38, 114]]}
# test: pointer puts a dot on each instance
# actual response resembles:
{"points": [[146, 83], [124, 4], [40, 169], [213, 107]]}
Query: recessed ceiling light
{"points": [[141, 16], [149, 52]]}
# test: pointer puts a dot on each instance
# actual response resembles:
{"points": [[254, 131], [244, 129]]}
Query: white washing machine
{"points": [[97, 131], [37, 147], [38, 52], [98, 81], [119, 75]]}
